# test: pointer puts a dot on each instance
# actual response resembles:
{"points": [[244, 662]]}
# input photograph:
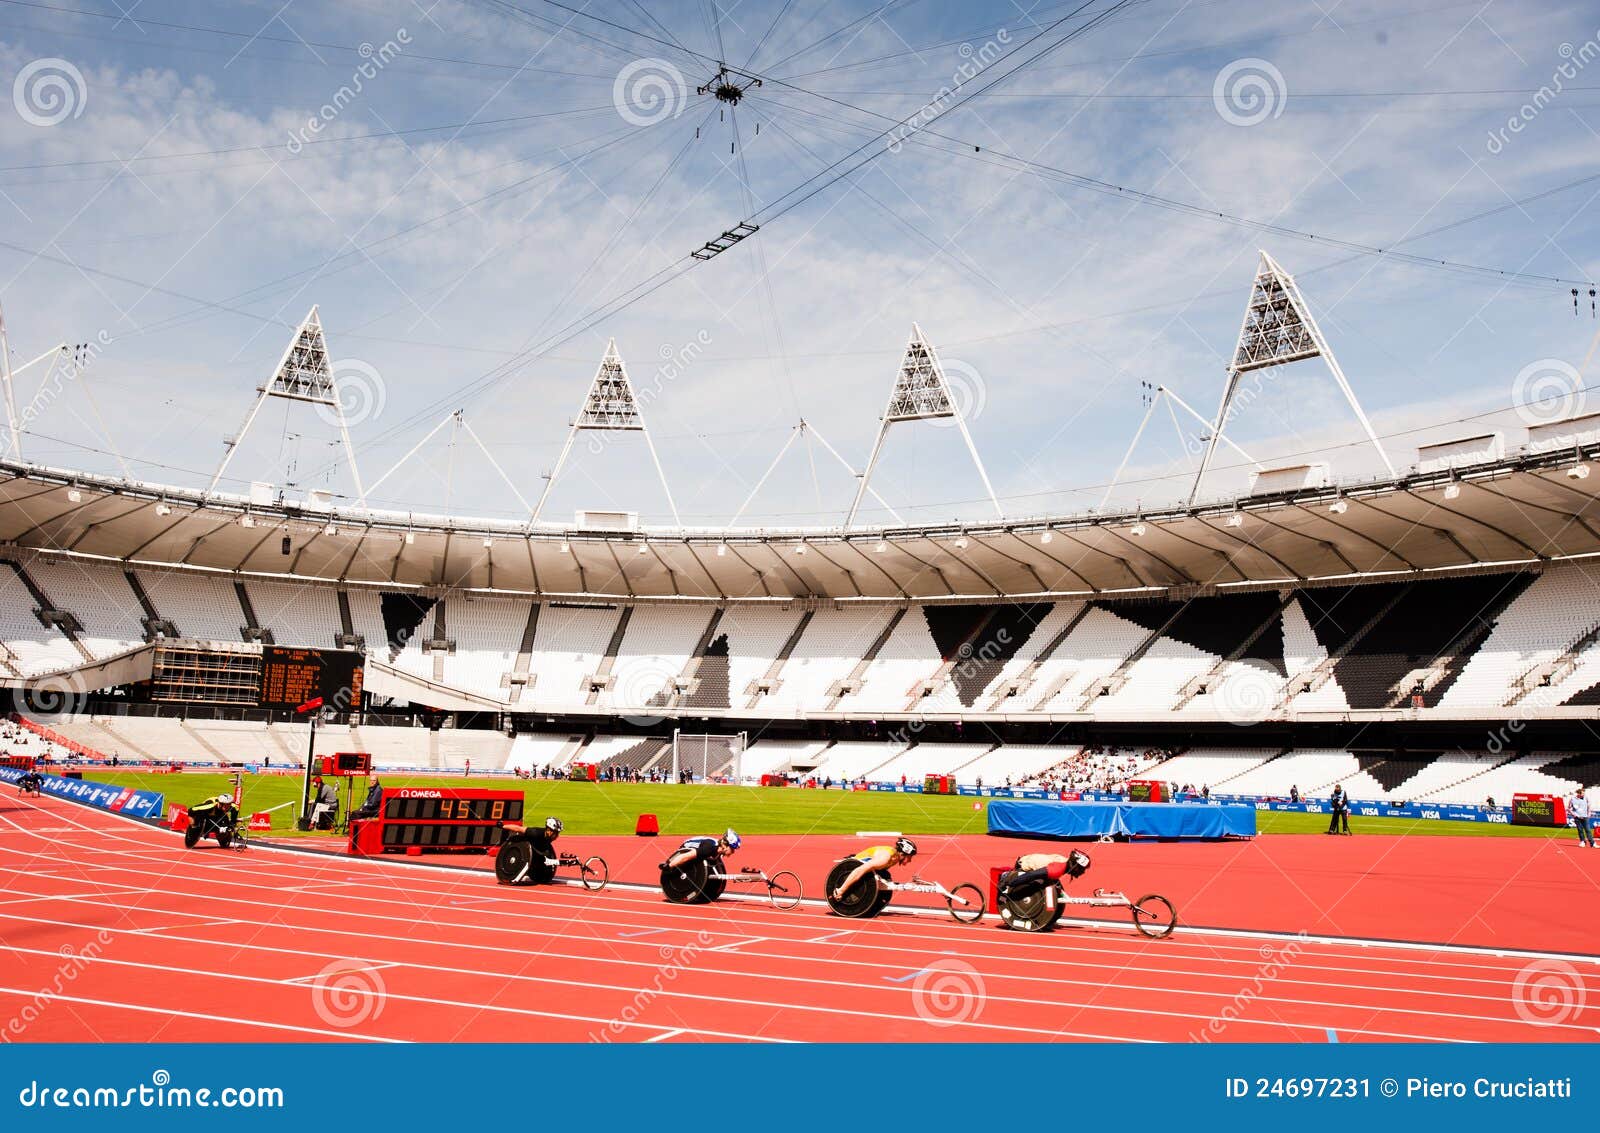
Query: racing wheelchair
{"points": [[1036, 905]]}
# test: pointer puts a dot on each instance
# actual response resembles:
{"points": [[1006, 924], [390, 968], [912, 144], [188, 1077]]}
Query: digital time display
{"points": [[402, 809]]}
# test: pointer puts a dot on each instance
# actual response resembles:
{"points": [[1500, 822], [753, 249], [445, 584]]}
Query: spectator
{"points": [[1578, 811], [374, 799], [1340, 806]]}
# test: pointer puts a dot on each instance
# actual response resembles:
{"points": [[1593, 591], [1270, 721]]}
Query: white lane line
{"points": [[343, 970], [35, 994], [667, 1035]]}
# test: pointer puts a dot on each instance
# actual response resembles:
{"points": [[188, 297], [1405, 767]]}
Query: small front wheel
{"points": [[966, 903], [1154, 915], [784, 889], [595, 874]]}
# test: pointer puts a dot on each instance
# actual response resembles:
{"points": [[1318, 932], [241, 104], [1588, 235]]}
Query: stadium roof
{"points": [[1525, 508]]}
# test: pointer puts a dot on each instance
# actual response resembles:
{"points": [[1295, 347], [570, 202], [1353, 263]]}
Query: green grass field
{"points": [[612, 808]]}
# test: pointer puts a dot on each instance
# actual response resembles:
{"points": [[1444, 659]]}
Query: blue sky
{"points": [[502, 174]]}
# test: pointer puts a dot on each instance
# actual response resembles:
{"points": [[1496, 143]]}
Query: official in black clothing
{"points": [[374, 799], [1340, 804]]}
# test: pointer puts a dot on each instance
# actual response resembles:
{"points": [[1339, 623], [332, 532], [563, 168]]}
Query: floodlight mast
{"points": [[1277, 329], [920, 393], [609, 406], [303, 374]]}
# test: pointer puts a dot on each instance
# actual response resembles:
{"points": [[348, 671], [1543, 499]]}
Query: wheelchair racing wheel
{"points": [[1037, 911], [518, 863], [691, 883], [863, 899], [191, 836], [1154, 916]]}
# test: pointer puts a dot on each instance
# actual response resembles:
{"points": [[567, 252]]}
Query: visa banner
{"points": [[118, 800]]}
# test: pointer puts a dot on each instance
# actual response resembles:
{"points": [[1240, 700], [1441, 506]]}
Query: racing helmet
{"points": [[731, 837], [553, 824], [905, 847]]}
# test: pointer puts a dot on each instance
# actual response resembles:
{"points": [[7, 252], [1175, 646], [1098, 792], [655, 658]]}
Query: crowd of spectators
{"points": [[1097, 768]]}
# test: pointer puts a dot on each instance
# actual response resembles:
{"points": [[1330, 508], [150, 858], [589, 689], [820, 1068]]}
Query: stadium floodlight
{"points": [[644, 548], [722, 549], [800, 548], [163, 509], [1137, 529], [881, 547], [331, 529], [961, 543], [1046, 536], [565, 547], [74, 496], [411, 537], [1339, 507], [487, 542], [1234, 520], [1452, 490], [1578, 472], [247, 520]]}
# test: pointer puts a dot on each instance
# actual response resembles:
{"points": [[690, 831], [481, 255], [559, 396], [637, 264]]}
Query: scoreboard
{"points": [[416, 820], [290, 677]]}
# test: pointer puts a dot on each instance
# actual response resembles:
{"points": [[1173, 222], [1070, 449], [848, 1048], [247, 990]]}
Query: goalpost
{"points": [[708, 757]]}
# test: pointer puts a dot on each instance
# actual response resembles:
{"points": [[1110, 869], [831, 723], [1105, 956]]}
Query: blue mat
{"points": [[1134, 820]]}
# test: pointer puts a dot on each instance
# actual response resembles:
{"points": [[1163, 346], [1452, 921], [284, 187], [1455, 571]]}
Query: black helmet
{"points": [[906, 847]]}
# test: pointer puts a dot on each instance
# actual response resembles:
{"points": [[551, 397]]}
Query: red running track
{"points": [[113, 932]]}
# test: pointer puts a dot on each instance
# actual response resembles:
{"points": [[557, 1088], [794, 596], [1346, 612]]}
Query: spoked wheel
{"points": [[861, 899], [1154, 915], [784, 889], [513, 864], [191, 836], [966, 903], [595, 874], [688, 884]]}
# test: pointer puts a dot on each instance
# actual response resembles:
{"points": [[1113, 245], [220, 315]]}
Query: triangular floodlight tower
{"points": [[610, 406], [1278, 329], [920, 393], [303, 374], [1154, 396]]}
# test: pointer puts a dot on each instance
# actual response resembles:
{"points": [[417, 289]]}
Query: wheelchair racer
{"points": [[704, 849], [875, 858], [1035, 871]]}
